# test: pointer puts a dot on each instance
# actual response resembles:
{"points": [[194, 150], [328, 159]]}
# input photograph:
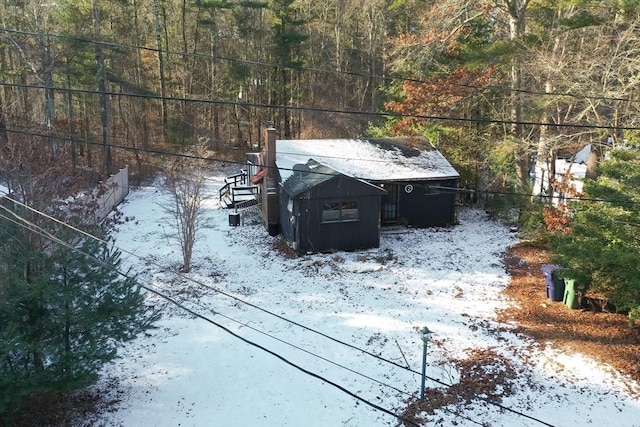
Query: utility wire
{"points": [[425, 186], [228, 161], [212, 288], [34, 228], [71, 139], [38, 230], [325, 110], [529, 195], [413, 395], [307, 69], [243, 164], [247, 325], [378, 357]]}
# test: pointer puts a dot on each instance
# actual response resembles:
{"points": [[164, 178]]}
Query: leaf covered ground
{"points": [[591, 330]]}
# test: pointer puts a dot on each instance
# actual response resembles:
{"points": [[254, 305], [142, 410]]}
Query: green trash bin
{"points": [[570, 299]]}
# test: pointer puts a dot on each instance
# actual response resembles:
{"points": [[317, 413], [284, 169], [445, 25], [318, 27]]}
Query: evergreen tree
{"points": [[602, 246], [63, 314]]}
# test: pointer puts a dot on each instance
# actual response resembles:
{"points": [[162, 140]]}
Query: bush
{"points": [[601, 244], [63, 315]]}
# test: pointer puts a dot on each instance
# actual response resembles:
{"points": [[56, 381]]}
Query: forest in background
{"points": [[496, 84]]}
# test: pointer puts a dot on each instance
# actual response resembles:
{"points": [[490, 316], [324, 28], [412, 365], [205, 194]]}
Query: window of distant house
{"points": [[339, 211]]}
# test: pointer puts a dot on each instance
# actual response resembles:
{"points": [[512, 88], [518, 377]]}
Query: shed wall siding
{"points": [[427, 208], [316, 236], [310, 234]]}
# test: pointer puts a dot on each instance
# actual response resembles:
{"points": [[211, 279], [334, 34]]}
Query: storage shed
{"points": [[322, 210]]}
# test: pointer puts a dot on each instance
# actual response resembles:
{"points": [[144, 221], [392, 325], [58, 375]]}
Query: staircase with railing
{"points": [[238, 193]]}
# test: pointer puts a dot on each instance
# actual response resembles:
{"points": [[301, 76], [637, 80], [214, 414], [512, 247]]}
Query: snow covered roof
{"points": [[582, 156], [297, 183], [308, 175], [575, 166], [373, 159]]}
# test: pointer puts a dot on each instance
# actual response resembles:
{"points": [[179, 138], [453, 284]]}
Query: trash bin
{"points": [[570, 299], [234, 219], [555, 284], [557, 291]]}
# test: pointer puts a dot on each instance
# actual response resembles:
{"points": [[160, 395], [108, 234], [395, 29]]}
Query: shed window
{"points": [[339, 211]]}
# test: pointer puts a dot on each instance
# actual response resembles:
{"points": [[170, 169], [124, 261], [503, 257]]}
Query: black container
{"points": [[234, 219]]}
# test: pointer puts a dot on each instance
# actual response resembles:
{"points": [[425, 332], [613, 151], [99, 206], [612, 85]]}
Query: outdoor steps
{"points": [[237, 191], [240, 195], [243, 191]]}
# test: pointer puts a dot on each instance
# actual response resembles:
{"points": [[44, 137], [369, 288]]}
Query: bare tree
{"points": [[186, 183]]}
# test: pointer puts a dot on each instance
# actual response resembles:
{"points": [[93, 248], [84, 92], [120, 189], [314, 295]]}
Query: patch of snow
{"points": [[192, 372]]}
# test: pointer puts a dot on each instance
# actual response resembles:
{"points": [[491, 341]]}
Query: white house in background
{"points": [[573, 168]]}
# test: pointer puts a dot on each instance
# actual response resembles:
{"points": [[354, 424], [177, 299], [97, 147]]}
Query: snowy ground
{"points": [[343, 317]]}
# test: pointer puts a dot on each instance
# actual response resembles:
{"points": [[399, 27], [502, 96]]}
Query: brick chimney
{"points": [[270, 196], [270, 152]]}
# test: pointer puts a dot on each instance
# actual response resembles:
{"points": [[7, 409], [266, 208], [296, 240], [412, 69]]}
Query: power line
{"points": [[41, 232], [120, 147], [530, 195], [71, 139], [426, 186], [195, 157], [332, 362], [326, 110], [198, 282], [225, 161], [34, 228], [247, 325], [273, 314], [309, 69]]}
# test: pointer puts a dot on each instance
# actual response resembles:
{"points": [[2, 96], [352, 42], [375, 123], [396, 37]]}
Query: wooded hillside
{"points": [[496, 84]]}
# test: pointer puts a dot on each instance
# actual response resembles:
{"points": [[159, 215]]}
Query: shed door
{"points": [[390, 204]]}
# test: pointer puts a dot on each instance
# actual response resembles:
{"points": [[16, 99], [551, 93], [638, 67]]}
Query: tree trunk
{"points": [[70, 124], [517, 28], [546, 153], [49, 94], [102, 88], [4, 138], [163, 84], [67, 365], [593, 161]]}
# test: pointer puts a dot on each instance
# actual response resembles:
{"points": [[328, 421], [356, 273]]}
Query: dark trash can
{"points": [[569, 298], [555, 284], [234, 219]]}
